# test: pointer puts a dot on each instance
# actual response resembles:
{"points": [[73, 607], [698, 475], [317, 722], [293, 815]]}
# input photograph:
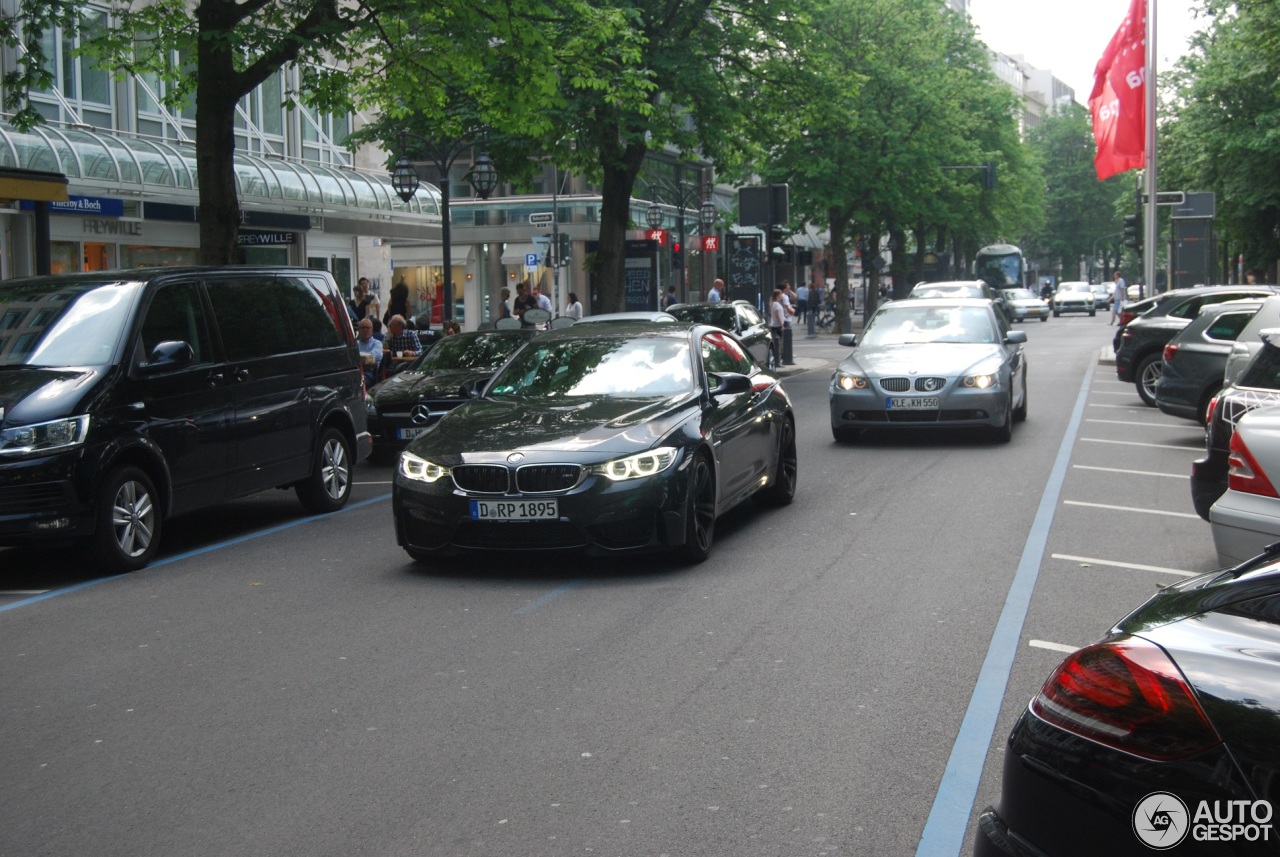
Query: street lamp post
{"points": [[653, 216], [442, 154], [682, 195]]}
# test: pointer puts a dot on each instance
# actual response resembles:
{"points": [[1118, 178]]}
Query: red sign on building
{"points": [[710, 243], [659, 235]]}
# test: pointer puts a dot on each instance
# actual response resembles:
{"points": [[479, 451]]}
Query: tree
{"points": [[1081, 213]]}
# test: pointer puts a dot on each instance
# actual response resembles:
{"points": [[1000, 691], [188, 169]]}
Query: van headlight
{"points": [[43, 438], [637, 466]]}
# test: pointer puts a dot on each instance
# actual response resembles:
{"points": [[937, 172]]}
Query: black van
{"points": [[129, 397]]}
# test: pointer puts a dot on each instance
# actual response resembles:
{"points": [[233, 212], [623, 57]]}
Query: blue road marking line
{"points": [[543, 600], [198, 551], [948, 820]]}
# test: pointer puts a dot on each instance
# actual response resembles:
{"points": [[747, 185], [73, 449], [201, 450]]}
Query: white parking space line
{"points": [[1132, 566], [1134, 443], [1133, 407], [385, 482], [1053, 647], [1192, 427], [1113, 393], [1131, 509], [1131, 472]]}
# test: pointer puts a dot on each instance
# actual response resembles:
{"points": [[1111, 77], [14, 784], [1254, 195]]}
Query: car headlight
{"points": [[851, 382], [637, 466], [982, 382], [41, 438], [419, 469]]}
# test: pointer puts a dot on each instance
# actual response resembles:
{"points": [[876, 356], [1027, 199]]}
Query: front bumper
{"points": [[957, 406], [40, 500], [598, 516]]}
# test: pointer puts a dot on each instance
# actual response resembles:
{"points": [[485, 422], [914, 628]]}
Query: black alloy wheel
{"points": [[782, 488], [328, 487], [129, 522], [700, 511]]}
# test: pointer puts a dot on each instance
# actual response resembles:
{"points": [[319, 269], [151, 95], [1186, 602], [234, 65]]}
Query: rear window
{"points": [[1264, 371], [1227, 326]]}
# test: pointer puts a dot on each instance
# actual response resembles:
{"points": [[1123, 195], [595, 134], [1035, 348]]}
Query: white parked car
{"points": [[1247, 517], [1074, 296]]}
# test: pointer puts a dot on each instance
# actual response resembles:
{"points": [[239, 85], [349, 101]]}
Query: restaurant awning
{"points": [[460, 254], [33, 185]]}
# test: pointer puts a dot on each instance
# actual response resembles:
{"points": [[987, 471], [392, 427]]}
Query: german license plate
{"points": [[514, 510], [914, 403], [409, 433]]}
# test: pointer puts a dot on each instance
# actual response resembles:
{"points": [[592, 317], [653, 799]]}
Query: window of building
{"points": [[80, 92]]}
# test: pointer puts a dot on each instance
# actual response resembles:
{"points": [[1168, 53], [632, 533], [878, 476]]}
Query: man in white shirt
{"points": [[1118, 295], [717, 287], [543, 301]]}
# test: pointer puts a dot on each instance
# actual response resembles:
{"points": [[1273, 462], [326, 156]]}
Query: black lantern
{"points": [[654, 216], [483, 176], [707, 215], [404, 179]]}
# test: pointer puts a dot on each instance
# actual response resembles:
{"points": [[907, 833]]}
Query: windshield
{"points": [[597, 366], [483, 351], [721, 316], [1020, 295], [1000, 271], [901, 323], [63, 324]]}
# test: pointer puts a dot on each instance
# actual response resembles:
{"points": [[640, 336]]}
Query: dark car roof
{"points": [[89, 278]]}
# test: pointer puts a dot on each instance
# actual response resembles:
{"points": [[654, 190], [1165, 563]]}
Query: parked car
{"points": [[1074, 296], [739, 318], [1022, 304], [1142, 342], [1249, 342], [1194, 360], [601, 438], [1128, 313], [133, 397], [1257, 386], [1134, 742], [1246, 518], [414, 399], [930, 363], [626, 317]]}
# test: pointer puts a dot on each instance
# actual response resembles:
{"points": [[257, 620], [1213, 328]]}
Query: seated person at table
{"points": [[370, 350], [400, 342]]}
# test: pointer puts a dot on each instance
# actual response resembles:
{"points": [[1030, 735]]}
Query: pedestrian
{"points": [[670, 300], [1119, 291], [504, 303], [574, 309], [524, 300], [777, 324], [802, 302], [397, 303], [360, 300], [717, 288]]}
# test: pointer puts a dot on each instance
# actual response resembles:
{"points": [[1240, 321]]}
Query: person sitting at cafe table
{"points": [[370, 350], [400, 342], [524, 300]]}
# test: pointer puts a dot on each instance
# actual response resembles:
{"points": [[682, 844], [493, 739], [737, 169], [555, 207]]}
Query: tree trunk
{"points": [[615, 217], [215, 151], [840, 259]]}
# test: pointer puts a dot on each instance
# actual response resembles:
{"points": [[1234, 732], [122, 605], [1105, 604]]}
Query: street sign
{"points": [[530, 261], [1167, 197], [710, 243], [542, 218], [659, 236]]}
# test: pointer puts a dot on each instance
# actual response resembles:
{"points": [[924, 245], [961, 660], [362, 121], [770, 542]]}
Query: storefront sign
{"points": [[94, 226], [266, 239], [96, 206]]}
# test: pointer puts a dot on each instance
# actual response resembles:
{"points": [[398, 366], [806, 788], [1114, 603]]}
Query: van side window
{"points": [[303, 307], [176, 315], [250, 316]]}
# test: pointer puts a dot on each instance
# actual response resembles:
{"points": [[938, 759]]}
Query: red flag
{"points": [[1118, 101]]}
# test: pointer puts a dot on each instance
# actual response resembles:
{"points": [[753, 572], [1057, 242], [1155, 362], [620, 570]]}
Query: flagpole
{"points": [[1149, 226]]}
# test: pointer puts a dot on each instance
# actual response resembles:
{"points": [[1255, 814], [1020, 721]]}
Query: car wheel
{"points": [[1020, 412], [1056, 313], [127, 534], [782, 489], [1092, 313], [845, 434], [1148, 373], [328, 487], [1045, 317], [700, 511], [771, 361], [1003, 433]]}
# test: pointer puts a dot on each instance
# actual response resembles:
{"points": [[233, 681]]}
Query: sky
{"points": [[1068, 37]]}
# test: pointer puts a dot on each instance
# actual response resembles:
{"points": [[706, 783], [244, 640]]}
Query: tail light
{"points": [[1126, 334], [1170, 351], [1128, 694], [1243, 472], [1210, 410]]}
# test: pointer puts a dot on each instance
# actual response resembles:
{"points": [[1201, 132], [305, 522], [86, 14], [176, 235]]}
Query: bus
{"points": [[1001, 265]]}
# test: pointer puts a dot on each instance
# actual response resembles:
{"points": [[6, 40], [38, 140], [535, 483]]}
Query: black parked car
{"points": [[601, 438], [130, 397], [739, 318], [406, 404], [1162, 734], [1258, 386], [1194, 360], [1142, 341]]}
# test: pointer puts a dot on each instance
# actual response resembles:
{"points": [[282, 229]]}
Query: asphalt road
{"points": [[280, 685]]}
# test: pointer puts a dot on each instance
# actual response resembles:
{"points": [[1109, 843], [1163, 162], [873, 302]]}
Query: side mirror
{"points": [[473, 389], [731, 383], [848, 340], [170, 354], [1016, 337]]}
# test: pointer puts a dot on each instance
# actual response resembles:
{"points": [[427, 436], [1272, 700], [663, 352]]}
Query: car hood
{"points": [[29, 394], [432, 384], [606, 425], [931, 358]]}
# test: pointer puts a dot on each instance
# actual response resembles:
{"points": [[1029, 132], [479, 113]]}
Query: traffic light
{"points": [[562, 249], [989, 175], [677, 259], [776, 236], [1132, 232]]}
